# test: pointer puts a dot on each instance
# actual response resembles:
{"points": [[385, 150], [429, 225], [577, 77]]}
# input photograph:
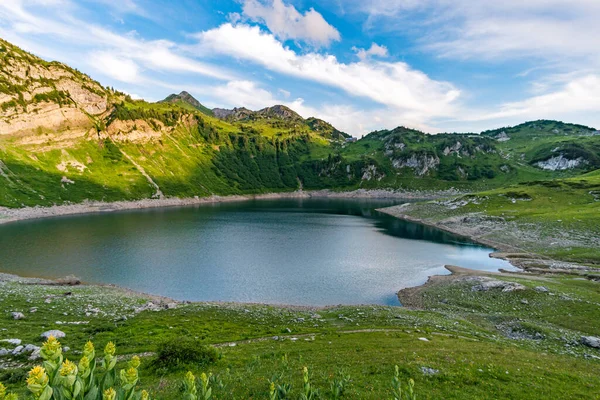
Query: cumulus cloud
{"points": [[393, 84], [285, 22], [374, 50], [122, 69], [346, 117]]}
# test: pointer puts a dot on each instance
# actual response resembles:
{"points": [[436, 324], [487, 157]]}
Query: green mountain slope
{"points": [[65, 138], [186, 100]]}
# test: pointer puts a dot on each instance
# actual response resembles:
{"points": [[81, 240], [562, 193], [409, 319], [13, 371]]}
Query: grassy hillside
{"points": [[522, 344], [559, 219], [65, 138]]}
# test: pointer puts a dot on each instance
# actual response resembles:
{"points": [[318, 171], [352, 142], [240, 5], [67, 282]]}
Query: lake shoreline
{"points": [[23, 214], [8, 215]]}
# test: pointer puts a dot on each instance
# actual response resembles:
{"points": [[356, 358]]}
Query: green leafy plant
{"points": [[398, 392], [182, 353], [56, 379]]}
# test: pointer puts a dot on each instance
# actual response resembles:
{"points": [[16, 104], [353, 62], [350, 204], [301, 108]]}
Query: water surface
{"points": [[300, 251]]}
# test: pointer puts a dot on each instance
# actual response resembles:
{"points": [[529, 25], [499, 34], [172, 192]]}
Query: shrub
{"points": [[184, 352]]}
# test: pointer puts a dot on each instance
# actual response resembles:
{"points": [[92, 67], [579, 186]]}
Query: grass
{"points": [[474, 358]]}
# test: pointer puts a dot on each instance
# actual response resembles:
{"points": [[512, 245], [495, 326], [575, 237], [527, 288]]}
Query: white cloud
{"points": [[346, 117], [285, 22], [552, 30], [374, 50], [122, 69], [286, 94], [393, 84], [78, 36], [579, 95]]}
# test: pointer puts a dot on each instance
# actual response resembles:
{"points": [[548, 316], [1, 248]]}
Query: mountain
{"points": [[35, 94], [185, 99], [66, 138], [280, 116]]}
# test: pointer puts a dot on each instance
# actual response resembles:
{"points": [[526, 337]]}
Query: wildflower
{"points": [[84, 367], [109, 394], [37, 383], [68, 368], [68, 373], [51, 350], [189, 383], [109, 356], [110, 349], [144, 395], [2, 391], [89, 351], [11, 396], [129, 378], [135, 362]]}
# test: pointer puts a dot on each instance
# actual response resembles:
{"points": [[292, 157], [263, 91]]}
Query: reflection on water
{"points": [[300, 251]]}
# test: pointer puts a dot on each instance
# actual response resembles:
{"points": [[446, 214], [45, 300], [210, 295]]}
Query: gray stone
{"points": [[14, 342], [4, 352], [35, 355], [30, 348], [18, 315], [591, 341], [429, 371], [541, 289], [66, 349], [17, 350], [486, 285], [423, 339], [54, 332]]}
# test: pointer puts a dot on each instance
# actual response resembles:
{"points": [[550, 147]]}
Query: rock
{"points": [[591, 341], [288, 330], [170, 306], [299, 319], [423, 339], [18, 315], [429, 371], [541, 289], [33, 310], [524, 301], [30, 348], [14, 342], [54, 332], [35, 355], [486, 285], [66, 349], [17, 350], [4, 352]]}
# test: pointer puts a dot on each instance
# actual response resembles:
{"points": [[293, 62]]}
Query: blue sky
{"points": [[438, 65]]}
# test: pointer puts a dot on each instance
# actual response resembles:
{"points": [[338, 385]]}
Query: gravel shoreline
{"points": [[8, 215]]}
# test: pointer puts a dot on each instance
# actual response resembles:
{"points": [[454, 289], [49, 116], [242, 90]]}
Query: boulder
{"points": [[591, 341], [18, 315], [486, 285], [541, 289], [54, 332], [30, 348]]}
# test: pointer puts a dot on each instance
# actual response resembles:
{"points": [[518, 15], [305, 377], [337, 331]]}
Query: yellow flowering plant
{"points": [[190, 391], [38, 383]]}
